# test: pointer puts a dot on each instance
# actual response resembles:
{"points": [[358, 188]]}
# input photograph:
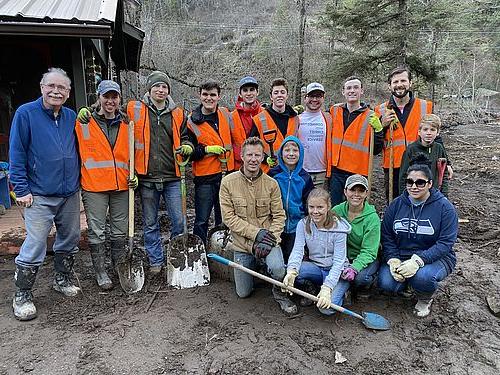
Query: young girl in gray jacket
{"points": [[325, 234]]}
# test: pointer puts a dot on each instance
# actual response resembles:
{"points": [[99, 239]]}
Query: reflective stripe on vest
{"points": [[359, 143], [85, 131]]}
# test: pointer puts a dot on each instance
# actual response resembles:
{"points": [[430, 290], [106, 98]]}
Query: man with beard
{"points": [[403, 112]]}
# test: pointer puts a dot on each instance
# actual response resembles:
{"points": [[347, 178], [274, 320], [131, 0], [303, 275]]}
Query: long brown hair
{"points": [[331, 216]]}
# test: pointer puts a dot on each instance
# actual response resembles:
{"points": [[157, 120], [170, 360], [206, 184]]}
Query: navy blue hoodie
{"points": [[295, 186], [432, 234]]}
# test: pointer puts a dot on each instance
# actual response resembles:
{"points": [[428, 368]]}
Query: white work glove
{"points": [[410, 267], [289, 280], [394, 263], [325, 297]]}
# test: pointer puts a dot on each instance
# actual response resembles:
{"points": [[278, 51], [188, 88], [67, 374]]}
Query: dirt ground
{"points": [[209, 331]]}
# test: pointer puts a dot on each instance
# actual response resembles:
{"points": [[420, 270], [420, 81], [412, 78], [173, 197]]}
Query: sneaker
{"points": [[63, 284], [423, 307], [23, 306]]}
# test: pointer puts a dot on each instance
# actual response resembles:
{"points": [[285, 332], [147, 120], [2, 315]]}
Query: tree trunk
{"points": [[300, 65], [403, 16]]}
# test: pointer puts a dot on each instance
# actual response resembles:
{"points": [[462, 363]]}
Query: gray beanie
{"points": [[155, 78]]}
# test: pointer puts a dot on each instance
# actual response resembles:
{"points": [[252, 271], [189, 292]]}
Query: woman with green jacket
{"points": [[364, 240]]}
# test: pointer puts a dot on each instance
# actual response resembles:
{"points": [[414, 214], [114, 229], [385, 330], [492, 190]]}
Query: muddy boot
{"points": [[286, 304], [308, 287], [63, 265], [22, 304], [98, 251], [119, 255]]}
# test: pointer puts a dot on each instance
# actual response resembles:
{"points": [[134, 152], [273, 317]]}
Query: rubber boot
{"points": [[286, 304], [63, 265], [98, 254], [119, 252], [22, 304]]}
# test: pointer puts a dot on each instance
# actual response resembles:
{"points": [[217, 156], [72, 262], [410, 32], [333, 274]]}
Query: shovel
{"points": [[441, 167], [187, 264], [391, 157], [370, 320], [370, 162], [131, 272], [270, 138]]}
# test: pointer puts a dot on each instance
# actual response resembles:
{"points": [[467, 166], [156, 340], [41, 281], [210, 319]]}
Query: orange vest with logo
{"points": [[207, 135], [138, 112], [351, 148], [403, 136], [264, 123], [103, 168]]}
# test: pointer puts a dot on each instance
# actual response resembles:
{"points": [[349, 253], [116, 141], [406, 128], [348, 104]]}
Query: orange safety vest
{"points": [[351, 148], [265, 122], [103, 168], [138, 112], [238, 136], [403, 136], [207, 135]]}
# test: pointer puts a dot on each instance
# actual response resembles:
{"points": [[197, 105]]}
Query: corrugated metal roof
{"points": [[66, 11]]}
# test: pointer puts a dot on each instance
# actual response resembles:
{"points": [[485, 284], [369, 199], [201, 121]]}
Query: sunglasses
{"points": [[420, 183]]}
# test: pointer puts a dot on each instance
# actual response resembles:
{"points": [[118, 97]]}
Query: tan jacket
{"points": [[251, 205]]}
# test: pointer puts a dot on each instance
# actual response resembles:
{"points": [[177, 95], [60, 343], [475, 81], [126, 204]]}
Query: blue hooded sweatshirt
{"points": [[428, 230], [295, 186]]}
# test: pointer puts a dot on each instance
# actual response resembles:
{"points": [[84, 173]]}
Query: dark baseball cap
{"points": [[248, 81], [107, 86]]}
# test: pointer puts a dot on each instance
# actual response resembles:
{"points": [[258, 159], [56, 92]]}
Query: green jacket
{"points": [[364, 240]]}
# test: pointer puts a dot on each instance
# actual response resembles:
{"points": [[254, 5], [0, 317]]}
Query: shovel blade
{"points": [[187, 265], [131, 276], [375, 321]]}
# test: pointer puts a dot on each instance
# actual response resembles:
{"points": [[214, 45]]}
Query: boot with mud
{"points": [[286, 304], [98, 254], [22, 304], [309, 287], [119, 256], [63, 265]]}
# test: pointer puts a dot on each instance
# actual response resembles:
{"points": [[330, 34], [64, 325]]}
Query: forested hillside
{"points": [[453, 47]]}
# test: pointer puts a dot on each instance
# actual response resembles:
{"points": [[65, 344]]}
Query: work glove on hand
{"points": [[216, 149], [272, 162], [185, 150], [325, 297], [133, 183], [266, 237], [410, 267], [84, 115], [349, 274], [375, 123], [262, 250], [289, 280], [394, 263]]}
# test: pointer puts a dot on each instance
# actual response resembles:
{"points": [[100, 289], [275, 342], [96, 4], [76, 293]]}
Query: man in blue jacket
{"points": [[45, 172]]}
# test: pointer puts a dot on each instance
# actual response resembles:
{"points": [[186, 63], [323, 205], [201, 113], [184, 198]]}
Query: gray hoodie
{"points": [[327, 249]]}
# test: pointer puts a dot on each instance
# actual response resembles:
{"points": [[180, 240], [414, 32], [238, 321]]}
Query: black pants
{"points": [[287, 241]]}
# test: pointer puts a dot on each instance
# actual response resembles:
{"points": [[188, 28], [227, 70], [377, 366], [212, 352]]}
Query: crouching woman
{"points": [[419, 230], [325, 235]]}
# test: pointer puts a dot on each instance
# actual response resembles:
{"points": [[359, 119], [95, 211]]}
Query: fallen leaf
{"points": [[339, 358]]}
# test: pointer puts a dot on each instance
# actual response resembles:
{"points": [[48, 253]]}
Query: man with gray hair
{"points": [[45, 172]]}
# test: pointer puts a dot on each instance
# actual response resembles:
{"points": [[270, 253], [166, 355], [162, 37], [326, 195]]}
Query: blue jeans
{"points": [[364, 279], [337, 184], [39, 218], [243, 281], [150, 199], [317, 275], [424, 282], [206, 197]]}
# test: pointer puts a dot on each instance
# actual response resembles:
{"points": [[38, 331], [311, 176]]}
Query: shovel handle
{"points": [[131, 195], [299, 292]]}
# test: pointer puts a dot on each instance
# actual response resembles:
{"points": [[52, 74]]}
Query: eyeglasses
{"points": [[59, 88], [420, 183], [315, 96]]}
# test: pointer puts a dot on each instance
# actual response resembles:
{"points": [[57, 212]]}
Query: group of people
{"points": [[292, 188]]}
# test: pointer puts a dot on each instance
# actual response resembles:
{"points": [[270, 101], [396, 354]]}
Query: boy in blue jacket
{"points": [[295, 185]]}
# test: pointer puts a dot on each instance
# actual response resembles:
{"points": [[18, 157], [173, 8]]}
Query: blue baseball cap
{"points": [[248, 81], [107, 86]]}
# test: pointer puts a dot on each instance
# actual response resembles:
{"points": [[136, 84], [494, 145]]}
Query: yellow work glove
{"points": [[185, 150], [325, 297], [410, 267], [394, 263], [289, 280], [84, 115], [375, 123], [272, 162], [133, 182], [216, 149]]}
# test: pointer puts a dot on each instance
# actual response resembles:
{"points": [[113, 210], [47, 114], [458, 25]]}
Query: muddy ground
{"points": [[209, 331]]}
